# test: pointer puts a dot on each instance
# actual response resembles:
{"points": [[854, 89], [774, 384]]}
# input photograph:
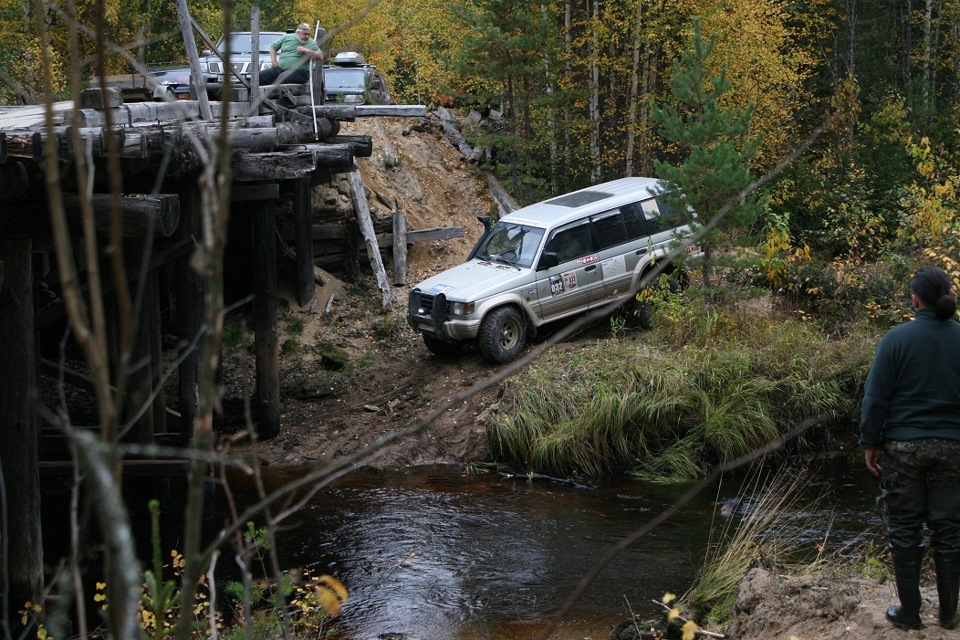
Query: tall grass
{"points": [[764, 526], [708, 385]]}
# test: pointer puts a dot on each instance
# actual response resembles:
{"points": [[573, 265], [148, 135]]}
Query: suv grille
{"points": [[426, 303]]}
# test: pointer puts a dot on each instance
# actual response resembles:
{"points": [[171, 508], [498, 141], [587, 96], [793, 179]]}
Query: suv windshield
{"points": [[349, 79], [240, 43], [513, 244]]}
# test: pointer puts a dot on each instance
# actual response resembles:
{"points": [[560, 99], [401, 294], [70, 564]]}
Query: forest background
{"points": [[579, 83]]}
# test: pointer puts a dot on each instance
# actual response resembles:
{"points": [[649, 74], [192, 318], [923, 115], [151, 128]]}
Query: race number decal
{"points": [[563, 283]]}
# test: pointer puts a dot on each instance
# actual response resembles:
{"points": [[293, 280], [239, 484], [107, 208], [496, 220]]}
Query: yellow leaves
{"points": [[101, 596], [690, 629], [29, 609], [330, 593]]}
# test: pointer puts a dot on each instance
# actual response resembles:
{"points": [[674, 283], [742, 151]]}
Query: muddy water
{"points": [[438, 554]]}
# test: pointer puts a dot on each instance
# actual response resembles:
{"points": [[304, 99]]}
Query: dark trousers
{"points": [[920, 483], [269, 76]]}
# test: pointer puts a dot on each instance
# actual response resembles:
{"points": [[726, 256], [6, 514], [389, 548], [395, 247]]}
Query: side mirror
{"points": [[487, 222], [547, 261], [206, 53]]}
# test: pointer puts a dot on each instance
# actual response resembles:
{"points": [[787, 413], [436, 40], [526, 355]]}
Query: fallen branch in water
{"points": [[531, 477]]}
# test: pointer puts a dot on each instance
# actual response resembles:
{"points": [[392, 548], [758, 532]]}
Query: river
{"points": [[436, 553]]}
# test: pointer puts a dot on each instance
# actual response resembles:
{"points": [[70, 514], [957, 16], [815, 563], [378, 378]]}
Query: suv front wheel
{"points": [[502, 335]]}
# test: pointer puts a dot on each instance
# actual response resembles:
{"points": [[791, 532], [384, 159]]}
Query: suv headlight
{"points": [[462, 308]]}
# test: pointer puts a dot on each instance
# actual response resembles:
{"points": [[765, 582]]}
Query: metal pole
{"points": [[313, 100]]}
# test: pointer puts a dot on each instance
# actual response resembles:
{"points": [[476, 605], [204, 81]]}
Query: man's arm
{"points": [[312, 51], [273, 56]]}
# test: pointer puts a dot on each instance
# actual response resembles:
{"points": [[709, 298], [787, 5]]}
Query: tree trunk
{"points": [[595, 169], [634, 88]]}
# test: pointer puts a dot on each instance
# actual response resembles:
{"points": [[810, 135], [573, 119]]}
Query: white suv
{"points": [[548, 261]]}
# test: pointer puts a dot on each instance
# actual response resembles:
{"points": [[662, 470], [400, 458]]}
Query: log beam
{"points": [[303, 240], [141, 215], [19, 433], [362, 210], [265, 320], [399, 248]]}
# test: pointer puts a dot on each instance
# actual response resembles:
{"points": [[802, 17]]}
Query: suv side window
{"points": [[609, 228], [671, 216], [634, 220], [651, 216], [571, 242]]}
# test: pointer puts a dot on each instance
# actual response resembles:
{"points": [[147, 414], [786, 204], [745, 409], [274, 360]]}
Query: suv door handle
{"points": [[591, 267], [640, 252]]}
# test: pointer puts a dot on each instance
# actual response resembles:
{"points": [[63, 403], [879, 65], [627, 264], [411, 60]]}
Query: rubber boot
{"points": [[906, 567], [948, 586]]}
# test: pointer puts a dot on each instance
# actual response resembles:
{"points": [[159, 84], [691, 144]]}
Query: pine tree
{"points": [[718, 145]]}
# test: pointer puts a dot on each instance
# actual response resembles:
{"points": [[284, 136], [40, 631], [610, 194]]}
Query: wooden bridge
{"points": [[147, 161]]}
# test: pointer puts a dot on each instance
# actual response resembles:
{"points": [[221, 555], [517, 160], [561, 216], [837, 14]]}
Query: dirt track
{"points": [[393, 381]]}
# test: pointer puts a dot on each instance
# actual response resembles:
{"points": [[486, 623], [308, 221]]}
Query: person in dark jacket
{"points": [[910, 430]]}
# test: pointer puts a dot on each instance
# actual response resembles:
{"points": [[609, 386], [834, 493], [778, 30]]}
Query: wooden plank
{"points": [[190, 293], [392, 110], [362, 211], [338, 232], [266, 335], [18, 426], [303, 242], [399, 248], [439, 233]]}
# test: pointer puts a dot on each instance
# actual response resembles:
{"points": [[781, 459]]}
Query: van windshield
{"points": [[513, 244], [345, 79]]}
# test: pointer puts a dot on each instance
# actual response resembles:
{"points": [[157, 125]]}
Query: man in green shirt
{"points": [[291, 54]]}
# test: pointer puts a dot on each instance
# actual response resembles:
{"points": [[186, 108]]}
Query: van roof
{"points": [[575, 205]]}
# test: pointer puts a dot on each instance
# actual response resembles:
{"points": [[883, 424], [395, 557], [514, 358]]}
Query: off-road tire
{"points": [[503, 334], [440, 348], [639, 313]]}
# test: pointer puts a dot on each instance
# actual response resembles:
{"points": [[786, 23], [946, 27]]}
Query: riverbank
{"points": [[773, 606]]}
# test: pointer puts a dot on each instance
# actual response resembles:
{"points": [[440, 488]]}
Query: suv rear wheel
{"points": [[502, 335]]}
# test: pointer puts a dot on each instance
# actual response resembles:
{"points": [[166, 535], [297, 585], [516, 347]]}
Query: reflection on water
{"points": [[437, 554]]}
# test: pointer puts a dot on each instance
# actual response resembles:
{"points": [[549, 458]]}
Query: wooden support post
{"points": [[303, 241], [265, 319], [190, 313], [351, 256], [362, 209], [146, 362], [399, 248], [19, 454]]}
